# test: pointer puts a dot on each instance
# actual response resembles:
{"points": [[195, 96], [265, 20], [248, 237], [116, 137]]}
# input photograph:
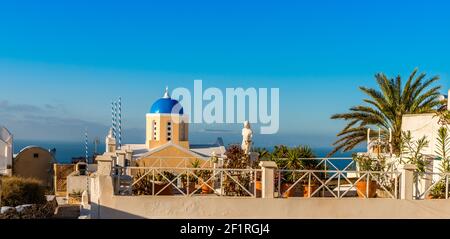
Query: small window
{"points": [[169, 129], [35, 155], [168, 139], [169, 123], [169, 134]]}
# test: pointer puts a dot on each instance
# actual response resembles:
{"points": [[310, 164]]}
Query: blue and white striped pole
{"points": [[113, 118], [119, 120], [86, 145]]}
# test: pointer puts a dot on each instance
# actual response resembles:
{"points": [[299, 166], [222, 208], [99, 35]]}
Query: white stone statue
{"points": [[247, 136]]}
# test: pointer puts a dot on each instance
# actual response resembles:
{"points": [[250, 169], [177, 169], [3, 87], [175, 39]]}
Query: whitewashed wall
{"points": [[6, 150], [425, 125]]}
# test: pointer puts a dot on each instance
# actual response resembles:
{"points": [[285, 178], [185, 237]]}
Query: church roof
{"points": [[141, 150], [166, 105]]}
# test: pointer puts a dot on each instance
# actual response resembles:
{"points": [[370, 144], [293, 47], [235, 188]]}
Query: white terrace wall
{"points": [[247, 208], [105, 205]]}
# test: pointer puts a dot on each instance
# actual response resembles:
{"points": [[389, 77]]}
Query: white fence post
{"points": [[407, 181], [267, 179]]}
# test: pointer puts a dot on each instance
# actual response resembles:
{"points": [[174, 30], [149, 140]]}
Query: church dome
{"points": [[166, 105]]}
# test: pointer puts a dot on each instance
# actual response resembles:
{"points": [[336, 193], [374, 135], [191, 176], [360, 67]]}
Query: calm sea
{"points": [[65, 151]]}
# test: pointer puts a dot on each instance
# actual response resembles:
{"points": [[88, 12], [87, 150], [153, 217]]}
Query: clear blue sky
{"points": [[62, 62]]}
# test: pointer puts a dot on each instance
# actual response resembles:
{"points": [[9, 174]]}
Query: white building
{"points": [[427, 125], [6, 151]]}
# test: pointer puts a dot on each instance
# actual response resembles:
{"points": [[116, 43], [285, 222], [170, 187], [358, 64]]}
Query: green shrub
{"points": [[438, 191], [17, 191]]}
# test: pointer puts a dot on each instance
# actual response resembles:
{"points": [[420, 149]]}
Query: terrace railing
{"points": [[431, 185], [187, 182], [337, 183], [332, 178]]}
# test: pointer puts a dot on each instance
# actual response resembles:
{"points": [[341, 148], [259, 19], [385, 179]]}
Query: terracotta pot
{"points": [[205, 188], [258, 186], [167, 191], [362, 189], [294, 192], [309, 190]]}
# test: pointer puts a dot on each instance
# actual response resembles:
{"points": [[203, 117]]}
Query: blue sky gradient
{"points": [[63, 62]]}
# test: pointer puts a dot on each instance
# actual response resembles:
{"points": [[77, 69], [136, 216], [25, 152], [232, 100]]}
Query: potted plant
{"points": [[310, 184], [295, 159], [190, 178], [412, 153], [205, 181], [287, 184], [443, 152], [438, 191], [365, 163], [288, 159], [162, 185], [189, 182]]}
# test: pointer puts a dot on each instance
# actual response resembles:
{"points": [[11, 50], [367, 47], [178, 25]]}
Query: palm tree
{"points": [[385, 107], [263, 153]]}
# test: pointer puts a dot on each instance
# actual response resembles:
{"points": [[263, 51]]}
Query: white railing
{"points": [[431, 185], [330, 177], [188, 182], [337, 183]]}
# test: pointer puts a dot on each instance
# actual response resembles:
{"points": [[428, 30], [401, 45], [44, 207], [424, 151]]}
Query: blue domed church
{"points": [[167, 138]]}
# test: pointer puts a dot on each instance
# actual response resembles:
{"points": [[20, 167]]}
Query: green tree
{"points": [[443, 149], [385, 107], [412, 151]]}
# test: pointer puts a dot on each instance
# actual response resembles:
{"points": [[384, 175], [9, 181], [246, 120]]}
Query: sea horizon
{"points": [[66, 150]]}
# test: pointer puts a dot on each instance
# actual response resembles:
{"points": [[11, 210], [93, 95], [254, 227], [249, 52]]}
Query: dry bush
{"points": [[19, 191]]}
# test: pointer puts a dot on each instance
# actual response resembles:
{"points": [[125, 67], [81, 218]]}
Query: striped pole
{"points": [[119, 120], [113, 118], [86, 144]]}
